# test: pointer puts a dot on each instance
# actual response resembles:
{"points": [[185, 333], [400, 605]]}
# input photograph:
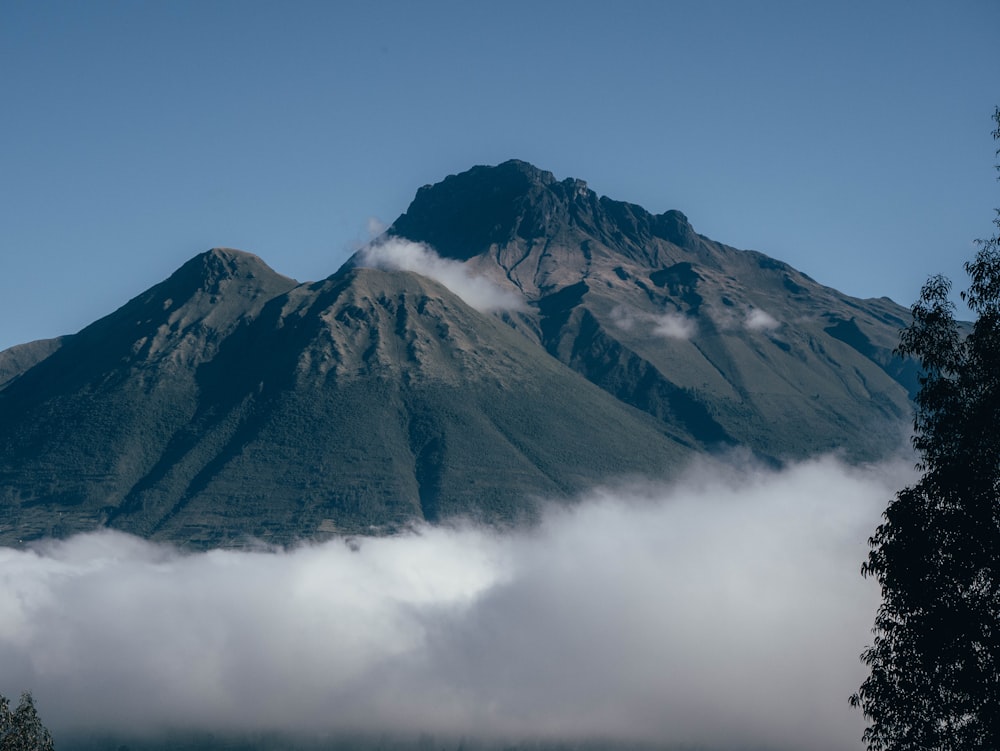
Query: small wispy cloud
{"points": [[402, 255], [760, 320], [668, 325], [624, 318], [375, 227], [674, 326]]}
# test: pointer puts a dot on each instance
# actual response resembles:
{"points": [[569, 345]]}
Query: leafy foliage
{"points": [[21, 729], [935, 660]]}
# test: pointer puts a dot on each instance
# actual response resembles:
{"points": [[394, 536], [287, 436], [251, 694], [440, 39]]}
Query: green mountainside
{"points": [[230, 404], [352, 405]]}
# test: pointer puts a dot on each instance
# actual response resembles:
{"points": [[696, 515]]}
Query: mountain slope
{"points": [[79, 427], [230, 403], [22, 357], [731, 347], [356, 404]]}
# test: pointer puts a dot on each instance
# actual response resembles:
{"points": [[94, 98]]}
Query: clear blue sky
{"points": [[850, 139]]}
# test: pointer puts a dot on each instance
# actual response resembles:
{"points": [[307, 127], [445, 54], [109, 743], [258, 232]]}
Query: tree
{"points": [[935, 659], [21, 729]]}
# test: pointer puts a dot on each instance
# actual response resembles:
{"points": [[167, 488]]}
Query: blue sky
{"points": [[850, 139]]}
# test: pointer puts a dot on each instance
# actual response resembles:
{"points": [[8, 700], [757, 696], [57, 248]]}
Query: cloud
{"points": [[403, 255], [668, 325], [375, 227], [624, 318], [673, 326], [726, 610], [760, 320]]}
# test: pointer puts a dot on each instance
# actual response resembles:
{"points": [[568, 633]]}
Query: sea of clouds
{"points": [[723, 610]]}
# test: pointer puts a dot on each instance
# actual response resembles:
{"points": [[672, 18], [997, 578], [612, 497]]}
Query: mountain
{"points": [[732, 347], [229, 403], [22, 357]]}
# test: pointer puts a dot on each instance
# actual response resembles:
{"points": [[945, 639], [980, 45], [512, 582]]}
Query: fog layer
{"points": [[724, 610]]}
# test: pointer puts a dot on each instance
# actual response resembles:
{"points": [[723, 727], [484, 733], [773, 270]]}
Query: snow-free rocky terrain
{"points": [[231, 404]]}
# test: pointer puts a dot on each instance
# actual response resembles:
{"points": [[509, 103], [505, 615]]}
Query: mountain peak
{"points": [[486, 209], [209, 275], [217, 265], [518, 166], [212, 291], [464, 214]]}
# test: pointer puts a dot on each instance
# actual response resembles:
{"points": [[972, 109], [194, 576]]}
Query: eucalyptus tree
{"points": [[935, 660], [20, 728]]}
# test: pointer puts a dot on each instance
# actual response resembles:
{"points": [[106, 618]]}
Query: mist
{"points": [[760, 320], [668, 325], [404, 255], [724, 610]]}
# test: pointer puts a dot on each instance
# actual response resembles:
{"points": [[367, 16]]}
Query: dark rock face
{"points": [[231, 403], [490, 207], [485, 205]]}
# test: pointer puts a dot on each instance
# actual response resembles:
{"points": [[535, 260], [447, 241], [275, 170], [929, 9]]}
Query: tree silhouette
{"points": [[935, 660], [21, 729]]}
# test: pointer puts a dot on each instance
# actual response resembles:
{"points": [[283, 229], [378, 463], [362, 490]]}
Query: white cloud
{"points": [[726, 610], [624, 318], [668, 325], [375, 227], [674, 326], [760, 320], [477, 291]]}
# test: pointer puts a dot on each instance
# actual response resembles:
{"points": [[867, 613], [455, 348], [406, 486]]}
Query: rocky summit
{"points": [[229, 405]]}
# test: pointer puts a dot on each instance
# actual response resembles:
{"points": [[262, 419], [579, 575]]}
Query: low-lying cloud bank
{"points": [[724, 611], [403, 255]]}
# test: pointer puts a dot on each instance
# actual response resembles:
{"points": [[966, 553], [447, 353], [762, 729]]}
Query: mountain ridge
{"points": [[229, 402]]}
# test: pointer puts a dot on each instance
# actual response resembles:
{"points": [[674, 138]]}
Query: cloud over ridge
{"points": [[724, 609], [404, 255]]}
